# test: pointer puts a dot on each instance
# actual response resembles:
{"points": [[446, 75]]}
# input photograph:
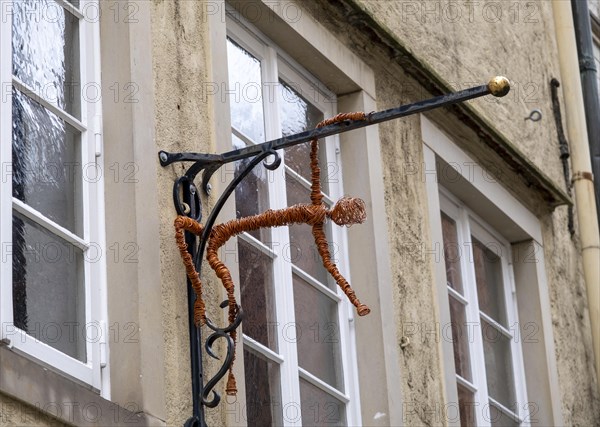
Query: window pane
{"points": [[245, 99], [303, 252], [466, 406], [460, 339], [46, 52], [500, 419], [47, 163], [263, 395], [317, 333], [256, 278], [498, 365], [320, 408], [488, 274], [451, 254], [251, 195], [48, 288], [298, 115]]}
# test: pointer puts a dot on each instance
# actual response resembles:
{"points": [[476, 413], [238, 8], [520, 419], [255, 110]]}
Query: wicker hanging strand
{"points": [[184, 223], [347, 211]]}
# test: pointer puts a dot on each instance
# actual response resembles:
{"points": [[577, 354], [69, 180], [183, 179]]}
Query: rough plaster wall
{"points": [[528, 52], [570, 320], [414, 295], [467, 42], [521, 50], [180, 55], [17, 413], [594, 6], [408, 226]]}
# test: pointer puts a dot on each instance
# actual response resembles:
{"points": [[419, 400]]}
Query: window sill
{"points": [[60, 397]]}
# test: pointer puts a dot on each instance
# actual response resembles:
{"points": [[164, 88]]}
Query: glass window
{"points": [[482, 321], [296, 307], [53, 235]]}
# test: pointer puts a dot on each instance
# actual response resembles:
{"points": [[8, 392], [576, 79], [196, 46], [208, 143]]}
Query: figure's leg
{"points": [[323, 248], [183, 223]]}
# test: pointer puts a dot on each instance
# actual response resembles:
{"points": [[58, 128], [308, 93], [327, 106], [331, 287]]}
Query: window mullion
{"points": [[316, 381], [6, 307], [35, 216], [70, 8], [35, 96], [262, 350], [472, 316], [282, 270], [508, 412], [257, 244]]}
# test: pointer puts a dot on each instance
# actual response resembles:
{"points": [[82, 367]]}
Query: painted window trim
{"points": [[95, 371], [436, 145]]}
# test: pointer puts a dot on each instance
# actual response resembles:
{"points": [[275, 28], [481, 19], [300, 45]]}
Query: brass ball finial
{"points": [[499, 86]]}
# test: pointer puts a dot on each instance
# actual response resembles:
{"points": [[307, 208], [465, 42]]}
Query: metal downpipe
{"points": [[583, 185]]}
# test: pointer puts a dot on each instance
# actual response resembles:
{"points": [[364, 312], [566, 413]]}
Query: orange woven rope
{"points": [[346, 211], [188, 224]]}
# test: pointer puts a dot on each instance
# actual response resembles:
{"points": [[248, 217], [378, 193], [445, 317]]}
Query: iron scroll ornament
{"points": [[188, 204]]}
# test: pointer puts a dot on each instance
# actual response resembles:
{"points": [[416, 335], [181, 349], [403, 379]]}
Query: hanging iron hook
{"points": [[534, 116]]}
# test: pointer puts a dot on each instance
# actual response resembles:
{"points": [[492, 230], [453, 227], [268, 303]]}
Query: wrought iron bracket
{"points": [[187, 202]]}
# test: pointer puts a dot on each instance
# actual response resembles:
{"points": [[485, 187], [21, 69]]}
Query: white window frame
{"points": [[469, 224], [521, 229], [93, 238], [275, 63]]}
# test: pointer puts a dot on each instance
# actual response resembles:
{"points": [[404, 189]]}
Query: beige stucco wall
{"points": [[464, 52], [17, 413], [466, 43], [595, 7], [180, 63]]}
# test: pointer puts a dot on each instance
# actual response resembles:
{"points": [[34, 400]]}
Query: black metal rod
{"points": [[209, 163], [204, 160], [197, 419], [563, 146]]}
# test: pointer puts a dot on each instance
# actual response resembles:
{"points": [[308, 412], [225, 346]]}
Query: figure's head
{"points": [[348, 211]]}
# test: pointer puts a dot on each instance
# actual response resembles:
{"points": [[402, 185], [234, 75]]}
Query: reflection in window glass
{"points": [[298, 115], [245, 97], [256, 283], [320, 408], [466, 406], [452, 253], [251, 195], [263, 394], [47, 163], [490, 288], [46, 52], [318, 333], [498, 364], [48, 288], [460, 339]]}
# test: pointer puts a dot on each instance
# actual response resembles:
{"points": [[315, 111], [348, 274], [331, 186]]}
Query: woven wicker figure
{"points": [[347, 211]]}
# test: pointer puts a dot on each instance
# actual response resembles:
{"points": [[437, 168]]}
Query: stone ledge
{"points": [[61, 397]]}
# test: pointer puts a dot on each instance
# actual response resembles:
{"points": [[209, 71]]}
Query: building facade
{"points": [[467, 260]]}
